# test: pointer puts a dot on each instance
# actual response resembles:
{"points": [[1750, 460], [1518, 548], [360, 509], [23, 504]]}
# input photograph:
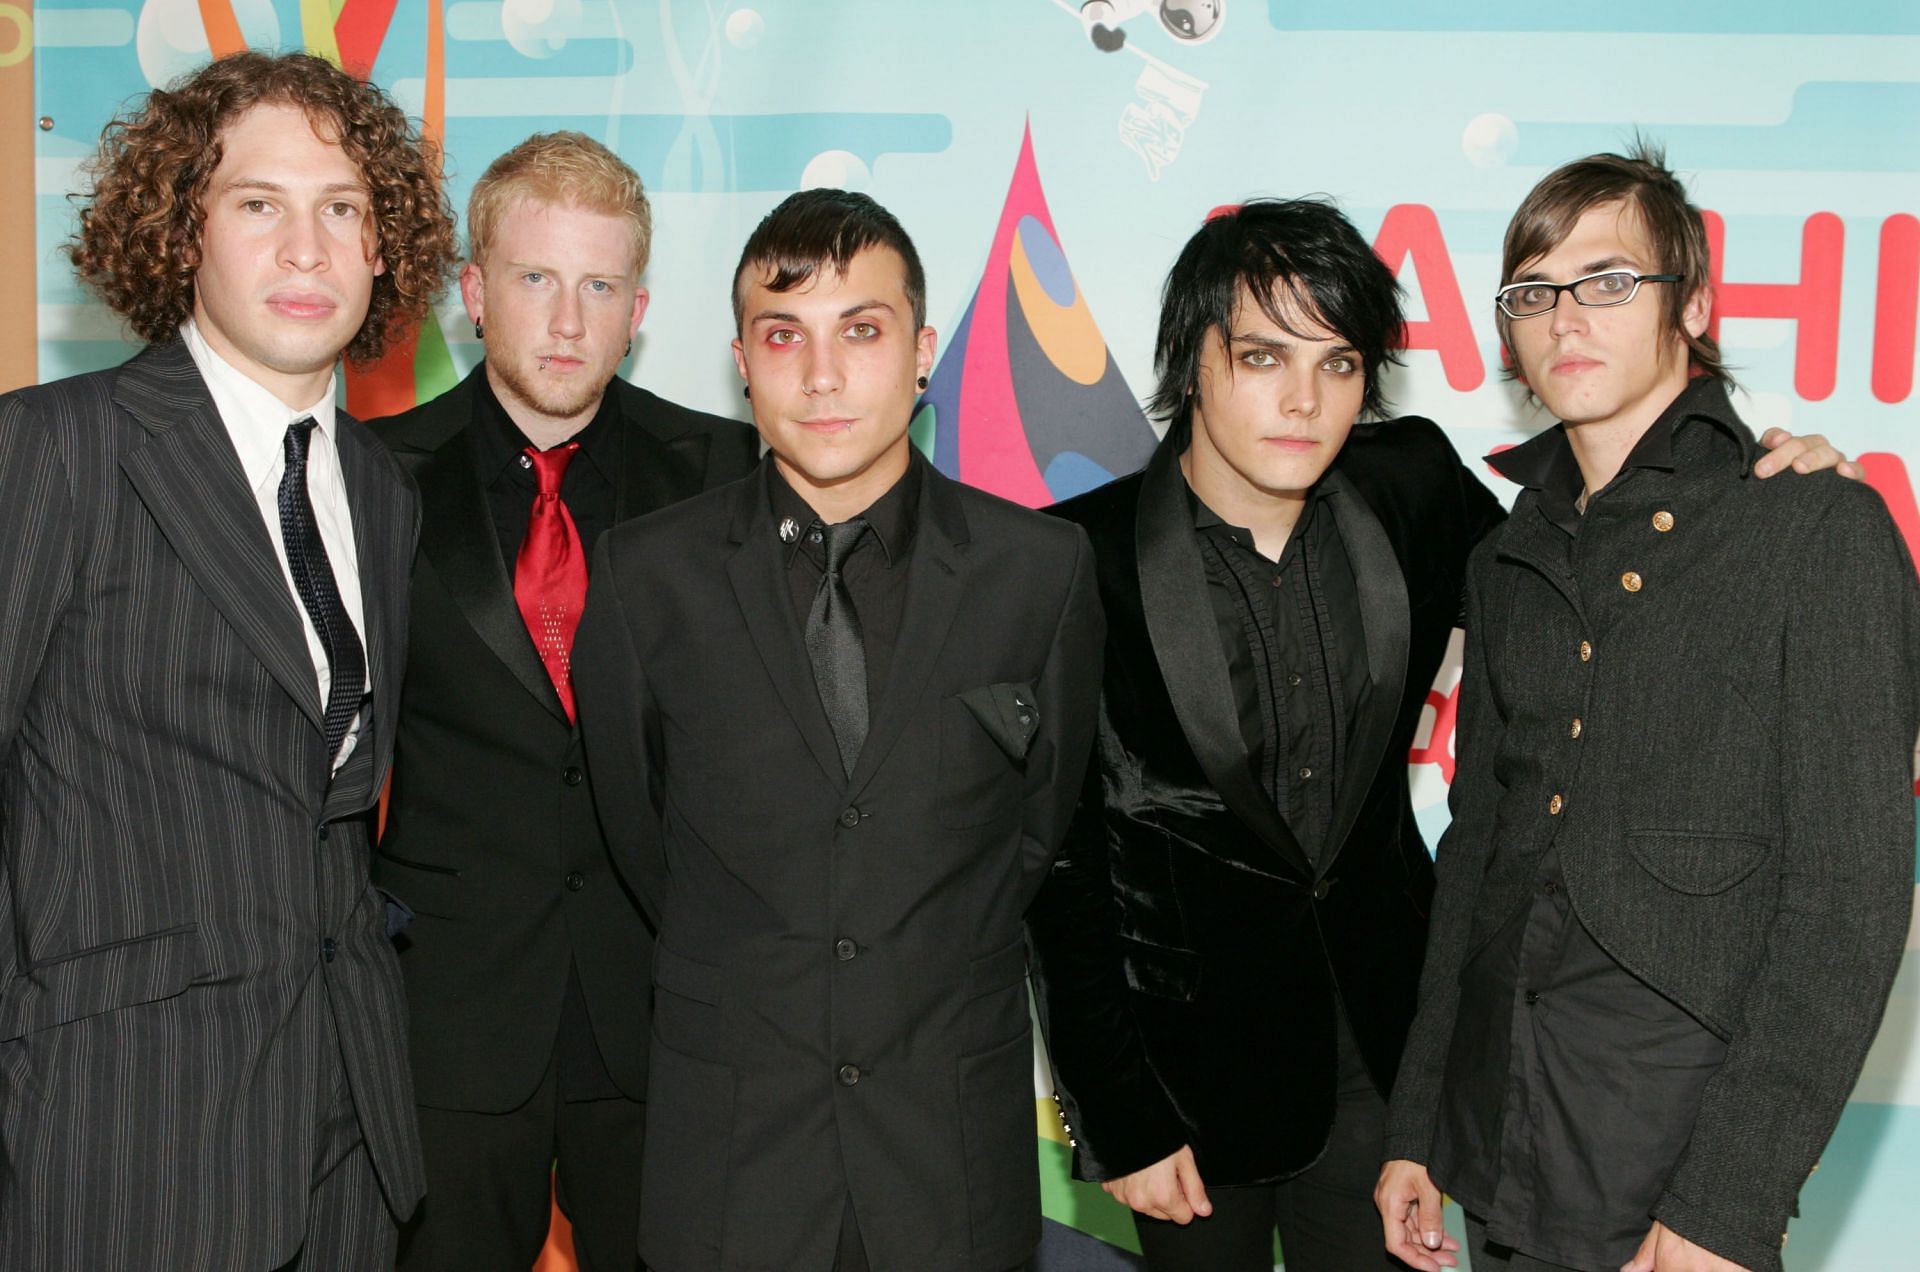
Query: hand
{"points": [[1665, 1250], [1807, 454], [1168, 1189], [1410, 1216]]}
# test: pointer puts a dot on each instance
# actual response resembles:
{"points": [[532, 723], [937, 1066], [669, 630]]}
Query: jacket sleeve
{"points": [[619, 733], [1459, 867], [1850, 674], [1069, 694]]}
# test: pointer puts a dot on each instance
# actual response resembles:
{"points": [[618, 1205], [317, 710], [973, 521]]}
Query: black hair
{"points": [[816, 228], [1302, 254]]}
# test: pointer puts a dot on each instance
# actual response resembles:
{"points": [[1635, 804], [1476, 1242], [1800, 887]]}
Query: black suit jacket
{"points": [[186, 921], [840, 1004], [1187, 952], [491, 837]]}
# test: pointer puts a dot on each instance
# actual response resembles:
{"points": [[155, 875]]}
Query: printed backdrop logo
{"points": [[1026, 401]]}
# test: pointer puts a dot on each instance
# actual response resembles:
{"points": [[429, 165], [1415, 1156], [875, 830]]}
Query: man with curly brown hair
{"points": [[203, 571]]}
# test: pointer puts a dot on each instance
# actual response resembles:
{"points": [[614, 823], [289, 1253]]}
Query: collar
{"points": [[256, 420], [892, 517], [1545, 462], [1207, 521], [500, 445]]}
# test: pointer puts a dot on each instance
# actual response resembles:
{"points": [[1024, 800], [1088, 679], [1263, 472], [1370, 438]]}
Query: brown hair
{"points": [[820, 229], [138, 241], [1642, 181], [559, 167]]}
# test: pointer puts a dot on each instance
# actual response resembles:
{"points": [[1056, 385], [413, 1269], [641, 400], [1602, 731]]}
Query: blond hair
{"points": [[565, 168]]}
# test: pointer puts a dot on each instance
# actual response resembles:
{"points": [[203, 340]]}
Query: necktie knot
{"points": [[550, 466], [299, 435], [841, 539]]}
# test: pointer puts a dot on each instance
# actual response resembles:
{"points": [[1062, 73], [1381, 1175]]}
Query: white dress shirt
{"points": [[257, 423]]}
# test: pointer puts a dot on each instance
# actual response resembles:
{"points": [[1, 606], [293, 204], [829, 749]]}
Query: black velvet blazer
{"points": [[1186, 952]]}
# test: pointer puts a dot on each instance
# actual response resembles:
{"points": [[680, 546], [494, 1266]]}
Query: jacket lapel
{"points": [[383, 541], [1383, 616], [936, 579], [189, 477], [457, 535], [1173, 594], [757, 573], [656, 469]]}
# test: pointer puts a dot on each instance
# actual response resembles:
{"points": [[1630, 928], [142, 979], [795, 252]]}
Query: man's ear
{"points": [[1699, 311], [639, 311], [473, 291], [924, 346]]}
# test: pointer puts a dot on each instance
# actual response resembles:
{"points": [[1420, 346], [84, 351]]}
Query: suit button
{"points": [[572, 776], [850, 818], [1293, 678], [1554, 806], [1573, 730], [1663, 521], [844, 949], [1532, 997], [328, 948], [321, 831], [576, 881], [849, 1074], [1631, 581], [1321, 889], [1306, 774], [1586, 651]]}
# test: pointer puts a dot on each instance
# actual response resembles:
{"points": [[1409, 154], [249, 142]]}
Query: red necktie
{"points": [[550, 574]]}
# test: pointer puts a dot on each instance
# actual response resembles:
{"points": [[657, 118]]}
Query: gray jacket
{"points": [[1734, 812]]}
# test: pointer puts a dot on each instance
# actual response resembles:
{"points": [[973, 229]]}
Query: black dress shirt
{"points": [[1573, 1086], [587, 489], [876, 571], [1292, 635]]}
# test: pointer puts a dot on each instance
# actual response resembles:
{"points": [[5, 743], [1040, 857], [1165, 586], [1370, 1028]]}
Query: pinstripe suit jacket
{"points": [[186, 923]]}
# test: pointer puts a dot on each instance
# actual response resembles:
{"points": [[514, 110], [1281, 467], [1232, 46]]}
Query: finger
{"points": [[1178, 1210], [1193, 1190], [1849, 469], [1642, 1260], [1431, 1227]]}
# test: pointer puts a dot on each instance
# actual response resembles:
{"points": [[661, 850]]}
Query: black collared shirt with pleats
{"points": [[1573, 1085], [876, 572], [1296, 656]]}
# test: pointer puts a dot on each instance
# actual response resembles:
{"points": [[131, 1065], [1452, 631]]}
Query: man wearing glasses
{"points": [[1676, 886]]}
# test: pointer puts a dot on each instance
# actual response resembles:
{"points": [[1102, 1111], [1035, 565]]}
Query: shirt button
{"points": [[328, 948], [849, 1074], [1552, 887], [1554, 806], [1631, 581], [1279, 580], [850, 817], [815, 537], [321, 831], [1293, 677], [1532, 997], [572, 776], [1305, 774], [576, 881], [1663, 521], [844, 949], [1586, 651], [1573, 730]]}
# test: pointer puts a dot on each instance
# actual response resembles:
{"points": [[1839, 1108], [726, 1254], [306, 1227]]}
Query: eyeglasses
{"points": [[1615, 287]]}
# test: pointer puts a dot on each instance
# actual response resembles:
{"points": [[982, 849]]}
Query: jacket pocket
{"points": [[101, 978], [1161, 970], [688, 999], [1698, 863]]}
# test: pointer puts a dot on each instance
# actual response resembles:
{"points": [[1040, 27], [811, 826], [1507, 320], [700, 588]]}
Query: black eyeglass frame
{"points": [[1500, 297]]}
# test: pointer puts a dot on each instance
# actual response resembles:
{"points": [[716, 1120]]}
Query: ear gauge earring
{"points": [[922, 382], [479, 331], [629, 352], [746, 391]]}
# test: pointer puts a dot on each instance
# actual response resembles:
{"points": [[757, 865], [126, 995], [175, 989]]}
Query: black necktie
{"points": [[313, 580], [833, 643]]}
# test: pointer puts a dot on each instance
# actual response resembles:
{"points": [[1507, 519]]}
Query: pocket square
{"points": [[1008, 713]]}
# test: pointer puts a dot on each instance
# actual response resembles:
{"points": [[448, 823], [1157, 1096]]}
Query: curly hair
{"points": [[138, 240]]}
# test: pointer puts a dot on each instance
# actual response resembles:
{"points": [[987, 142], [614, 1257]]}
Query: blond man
{"points": [[527, 961]]}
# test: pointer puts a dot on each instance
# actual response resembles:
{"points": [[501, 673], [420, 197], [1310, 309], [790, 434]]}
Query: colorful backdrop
{"points": [[1049, 172]]}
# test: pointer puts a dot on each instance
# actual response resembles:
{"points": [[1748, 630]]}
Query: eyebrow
{"points": [[274, 187], [535, 267], [1600, 266], [781, 315], [1288, 346]]}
